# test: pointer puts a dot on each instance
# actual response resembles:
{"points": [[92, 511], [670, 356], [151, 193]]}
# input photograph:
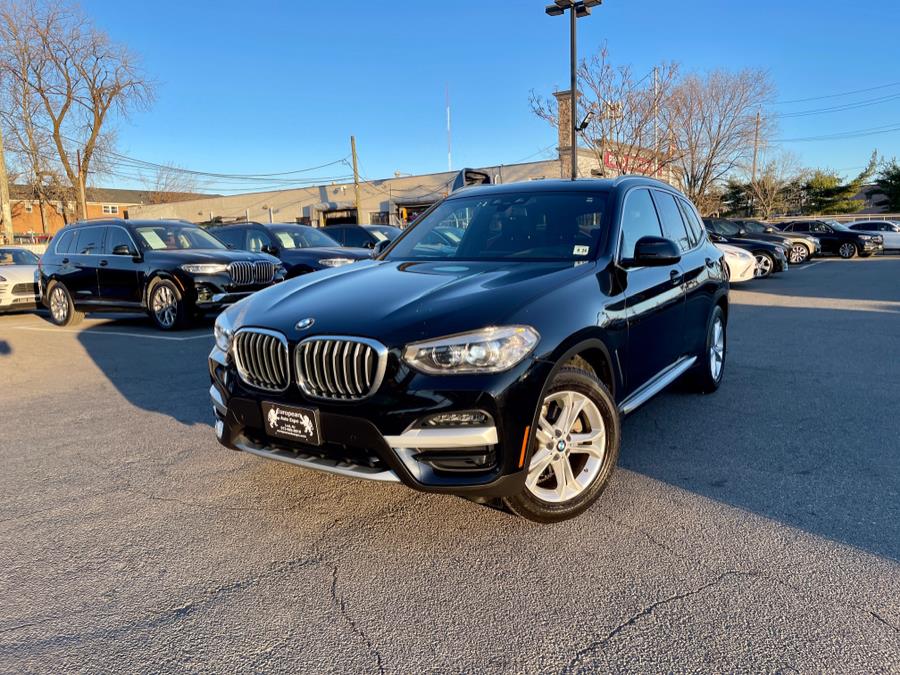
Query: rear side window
{"points": [[673, 225], [89, 241], [356, 237], [639, 219], [64, 242], [695, 227], [230, 236], [256, 239]]}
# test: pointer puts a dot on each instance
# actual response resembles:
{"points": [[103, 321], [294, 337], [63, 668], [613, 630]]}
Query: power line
{"points": [[838, 95], [856, 133], [839, 108]]}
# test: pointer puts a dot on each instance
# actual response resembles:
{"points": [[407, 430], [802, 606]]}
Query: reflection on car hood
{"points": [[401, 301], [18, 274], [320, 252], [206, 255]]}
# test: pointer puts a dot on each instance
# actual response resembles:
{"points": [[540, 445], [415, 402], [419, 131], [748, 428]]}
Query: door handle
{"points": [[104, 263], [676, 277]]}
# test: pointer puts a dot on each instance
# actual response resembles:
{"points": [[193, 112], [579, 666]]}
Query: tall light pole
{"points": [[577, 9]]}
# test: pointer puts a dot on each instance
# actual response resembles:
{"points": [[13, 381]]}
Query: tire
{"points": [[707, 375], [62, 307], [764, 265], [847, 250], [799, 254], [544, 499], [166, 306]]}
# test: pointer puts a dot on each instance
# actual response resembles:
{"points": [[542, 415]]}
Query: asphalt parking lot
{"points": [[757, 529]]}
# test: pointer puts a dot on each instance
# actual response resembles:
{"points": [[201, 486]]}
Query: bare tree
{"points": [[713, 121], [627, 122], [171, 183], [768, 188], [67, 81]]}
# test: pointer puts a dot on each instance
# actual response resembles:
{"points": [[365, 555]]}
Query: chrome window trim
{"points": [[242, 372], [381, 353]]}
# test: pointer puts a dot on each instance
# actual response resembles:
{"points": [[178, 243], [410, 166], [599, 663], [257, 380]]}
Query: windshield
{"points": [[536, 227], [753, 226], [837, 226], [17, 256], [725, 227], [173, 237], [301, 236]]}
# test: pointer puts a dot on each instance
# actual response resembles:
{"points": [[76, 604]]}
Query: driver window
{"points": [[256, 240], [639, 219]]}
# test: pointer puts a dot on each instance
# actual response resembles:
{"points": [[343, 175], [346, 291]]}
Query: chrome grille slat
{"points": [[261, 357], [339, 368], [245, 273]]}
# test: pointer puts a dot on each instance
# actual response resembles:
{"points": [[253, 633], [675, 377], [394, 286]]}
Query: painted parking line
{"points": [[174, 338], [800, 268]]}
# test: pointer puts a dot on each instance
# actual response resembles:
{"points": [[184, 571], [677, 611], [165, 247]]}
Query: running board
{"points": [[657, 384]]}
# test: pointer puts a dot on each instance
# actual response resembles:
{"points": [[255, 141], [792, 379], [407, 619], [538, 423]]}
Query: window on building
{"points": [[28, 207], [111, 208], [380, 218]]}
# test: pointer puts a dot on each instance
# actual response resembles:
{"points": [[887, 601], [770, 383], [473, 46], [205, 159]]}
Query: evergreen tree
{"points": [[826, 191], [889, 183]]}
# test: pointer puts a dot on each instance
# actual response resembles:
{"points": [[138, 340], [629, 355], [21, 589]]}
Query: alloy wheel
{"points": [[799, 254], [717, 349], [571, 447], [763, 266], [59, 305], [165, 306], [847, 250]]}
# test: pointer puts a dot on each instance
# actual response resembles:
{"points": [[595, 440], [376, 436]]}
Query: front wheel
{"points": [[166, 305], [847, 250], [574, 449], [799, 254], [710, 369], [764, 265]]}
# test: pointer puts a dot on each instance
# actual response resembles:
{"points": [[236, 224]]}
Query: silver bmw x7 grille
{"points": [[261, 357], [245, 272], [339, 368]]}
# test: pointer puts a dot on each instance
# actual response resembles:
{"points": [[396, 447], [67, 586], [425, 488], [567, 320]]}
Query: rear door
{"points": [[84, 260], [654, 297], [118, 274]]}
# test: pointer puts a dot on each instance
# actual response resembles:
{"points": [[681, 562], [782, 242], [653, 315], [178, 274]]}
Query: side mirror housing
{"points": [[123, 249], [270, 249], [654, 252], [770, 229], [379, 247]]}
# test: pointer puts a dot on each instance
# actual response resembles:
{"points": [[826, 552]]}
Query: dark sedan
{"points": [[802, 246], [836, 238], [300, 248], [771, 257]]}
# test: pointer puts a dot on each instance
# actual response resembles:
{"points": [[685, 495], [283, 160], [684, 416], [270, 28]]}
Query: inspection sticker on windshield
{"points": [[581, 250]]}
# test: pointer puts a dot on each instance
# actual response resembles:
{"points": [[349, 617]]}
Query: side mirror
{"points": [[270, 249], [379, 247], [654, 252], [371, 244], [742, 232], [123, 249], [770, 229]]}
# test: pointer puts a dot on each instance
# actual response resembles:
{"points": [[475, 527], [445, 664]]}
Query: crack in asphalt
{"points": [[587, 651], [338, 602]]}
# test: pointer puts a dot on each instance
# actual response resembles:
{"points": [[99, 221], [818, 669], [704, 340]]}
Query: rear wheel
{"points": [[166, 305], [847, 250], [574, 449], [62, 307], [799, 254]]}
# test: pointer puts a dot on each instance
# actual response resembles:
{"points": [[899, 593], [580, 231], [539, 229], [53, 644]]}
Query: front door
{"points": [[654, 297], [118, 273]]}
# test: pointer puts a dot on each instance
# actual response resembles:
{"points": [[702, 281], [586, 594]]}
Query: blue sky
{"points": [[273, 86]]}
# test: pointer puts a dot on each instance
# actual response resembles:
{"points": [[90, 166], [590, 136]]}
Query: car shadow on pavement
{"points": [[803, 430]]}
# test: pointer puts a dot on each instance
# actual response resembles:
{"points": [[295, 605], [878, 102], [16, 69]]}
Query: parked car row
{"points": [[765, 257]]}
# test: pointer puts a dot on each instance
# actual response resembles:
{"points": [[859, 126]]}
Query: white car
{"points": [[741, 264], [18, 279], [888, 229]]}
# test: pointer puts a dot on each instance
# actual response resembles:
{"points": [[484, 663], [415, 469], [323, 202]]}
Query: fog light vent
{"points": [[466, 418]]}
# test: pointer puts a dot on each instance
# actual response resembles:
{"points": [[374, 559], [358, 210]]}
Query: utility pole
{"points": [[573, 84], [5, 208], [655, 122], [753, 169], [355, 180], [81, 186]]}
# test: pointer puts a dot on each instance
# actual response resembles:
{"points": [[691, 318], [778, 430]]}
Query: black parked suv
{"points": [[300, 248], [362, 236], [170, 269], [837, 238], [495, 368]]}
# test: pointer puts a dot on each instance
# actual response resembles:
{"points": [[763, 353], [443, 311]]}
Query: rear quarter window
{"points": [[63, 242]]}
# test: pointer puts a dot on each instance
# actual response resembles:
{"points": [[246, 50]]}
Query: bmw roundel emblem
{"points": [[303, 324]]}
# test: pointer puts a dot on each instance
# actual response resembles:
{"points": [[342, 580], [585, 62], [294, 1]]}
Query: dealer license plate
{"points": [[291, 423]]}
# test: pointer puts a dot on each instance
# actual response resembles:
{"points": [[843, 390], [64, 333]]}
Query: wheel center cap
{"points": [[561, 445]]}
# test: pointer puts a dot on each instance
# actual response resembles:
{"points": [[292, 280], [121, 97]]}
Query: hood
{"points": [[18, 274], [206, 255], [398, 302], [291, 255]]}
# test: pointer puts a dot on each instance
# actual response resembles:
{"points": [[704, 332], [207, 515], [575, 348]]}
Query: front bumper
{"points": [[10, 300], [871, 246], [380, 438]]}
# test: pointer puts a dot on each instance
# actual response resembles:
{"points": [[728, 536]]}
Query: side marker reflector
{"points": [[524, 447]]}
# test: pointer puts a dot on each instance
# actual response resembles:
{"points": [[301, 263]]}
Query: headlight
{"points": [[865, 237], [223, 331], [2, 278], [205, 268], [490, 350], [335, 262]]}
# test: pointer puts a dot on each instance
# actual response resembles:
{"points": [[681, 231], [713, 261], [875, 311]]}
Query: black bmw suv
{"points": [[300, 248], [170, 269], [494, 366]]}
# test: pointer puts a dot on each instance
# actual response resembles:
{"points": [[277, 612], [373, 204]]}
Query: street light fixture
{"points": [[577, 9]]}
